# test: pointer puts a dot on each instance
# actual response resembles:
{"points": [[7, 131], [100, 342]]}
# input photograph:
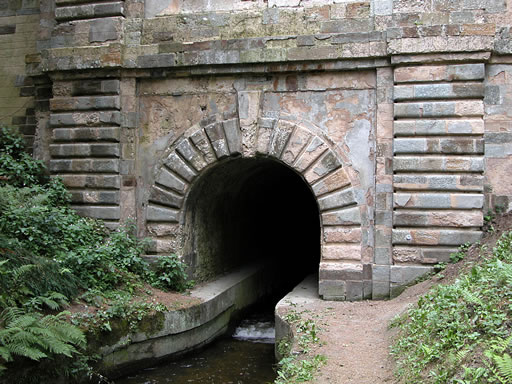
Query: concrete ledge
{"points": [[176, 332]]}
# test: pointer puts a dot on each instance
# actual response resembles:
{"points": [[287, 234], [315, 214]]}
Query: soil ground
{"points": [[356, 335]]}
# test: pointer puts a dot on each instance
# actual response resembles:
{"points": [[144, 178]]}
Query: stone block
{"points": [[380, 290], [341, 252], [382, 256], [438, 219], [85, 103], [382, 7], [176, 164], [438, 91], [438, 200], [84, 166], [426, 127], [433, 44], [202, 143], [470, 182], [349, 216], [296, 144], [459, 72], [86, 134], [157, 61], [95, 87], [191, 155], [161, 214], [381, 273], [164, 197], [102, 30], [84, 150], [466, 108], [438, 163], [332, 290], [233, 136], [279, 138], [95, 197], [92, 181], [441, 146], [98, 212], [403, 275], [313, 150], [167, 179], [336, 180], [337, 200], [347, 25], [215, 133], [354, 290], [341, 271], [434, 237], [326, 164], [338, 234]]}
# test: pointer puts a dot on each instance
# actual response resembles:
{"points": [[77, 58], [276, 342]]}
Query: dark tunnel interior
{"points": [[246, 210]]}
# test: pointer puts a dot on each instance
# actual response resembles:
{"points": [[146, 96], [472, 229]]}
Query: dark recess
{"points": [[243, 210]]}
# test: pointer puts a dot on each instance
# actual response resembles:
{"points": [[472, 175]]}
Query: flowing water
{"points": [[244, 357]]}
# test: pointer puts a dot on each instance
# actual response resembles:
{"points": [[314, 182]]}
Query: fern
{"points": [[504, 364], [32, 336]]}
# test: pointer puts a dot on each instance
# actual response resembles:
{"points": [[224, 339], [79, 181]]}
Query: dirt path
{"points": [[357, 337]]}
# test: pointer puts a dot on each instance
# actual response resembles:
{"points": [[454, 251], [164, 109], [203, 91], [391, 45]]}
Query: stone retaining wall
{"points": [[396, 114]]}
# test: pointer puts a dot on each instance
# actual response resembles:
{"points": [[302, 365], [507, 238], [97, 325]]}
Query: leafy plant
{"points": [[170, 274], [291, 368], [33, 336], [440, 338], [17, 167]]}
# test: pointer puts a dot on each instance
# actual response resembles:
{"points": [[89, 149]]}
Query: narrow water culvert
{"points": [[246, 210], [244, 355], [239, 213]]}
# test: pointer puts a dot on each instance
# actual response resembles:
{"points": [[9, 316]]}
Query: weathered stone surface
{"points": [[180, 167], [426, 127], [440, 73], [438, 219], [98, 212], [440, 109], [434, 237], [84, 166], [470, 182], [438, 200], [337, 200], [87, 134], [169, 180], [432, 146], [85, 150], [438, 91], [436, 163], [157, 213]]}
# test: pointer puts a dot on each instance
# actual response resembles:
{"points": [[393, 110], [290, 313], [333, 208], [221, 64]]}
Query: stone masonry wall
{"points": [[19, 21], [410, 99]]}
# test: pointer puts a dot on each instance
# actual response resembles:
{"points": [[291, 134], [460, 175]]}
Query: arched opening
{"points": [[246, 210]]}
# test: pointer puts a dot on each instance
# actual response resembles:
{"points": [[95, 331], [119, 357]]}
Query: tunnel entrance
{"points": [[244, 210]]}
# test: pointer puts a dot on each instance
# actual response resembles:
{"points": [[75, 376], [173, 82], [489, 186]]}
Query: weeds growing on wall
{"points": [[461, 333], [298, 365], [50, 256]]}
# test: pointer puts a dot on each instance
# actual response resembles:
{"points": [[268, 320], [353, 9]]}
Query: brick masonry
{"points": [[396, 113]]}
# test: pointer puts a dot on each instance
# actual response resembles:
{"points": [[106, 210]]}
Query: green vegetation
{"points": [[461, 333], [51, 257], [298, 366]]}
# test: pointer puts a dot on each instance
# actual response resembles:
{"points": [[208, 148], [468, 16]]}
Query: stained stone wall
{"points": [[395, 114]]}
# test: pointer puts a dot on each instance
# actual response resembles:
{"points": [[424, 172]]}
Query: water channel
{"points": [[244, 356]]}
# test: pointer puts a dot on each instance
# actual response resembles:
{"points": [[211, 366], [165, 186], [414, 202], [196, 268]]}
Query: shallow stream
{"points": [[245, 356]]}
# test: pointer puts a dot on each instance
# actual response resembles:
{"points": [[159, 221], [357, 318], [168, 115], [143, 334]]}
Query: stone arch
{"points": [[305, 150]]}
